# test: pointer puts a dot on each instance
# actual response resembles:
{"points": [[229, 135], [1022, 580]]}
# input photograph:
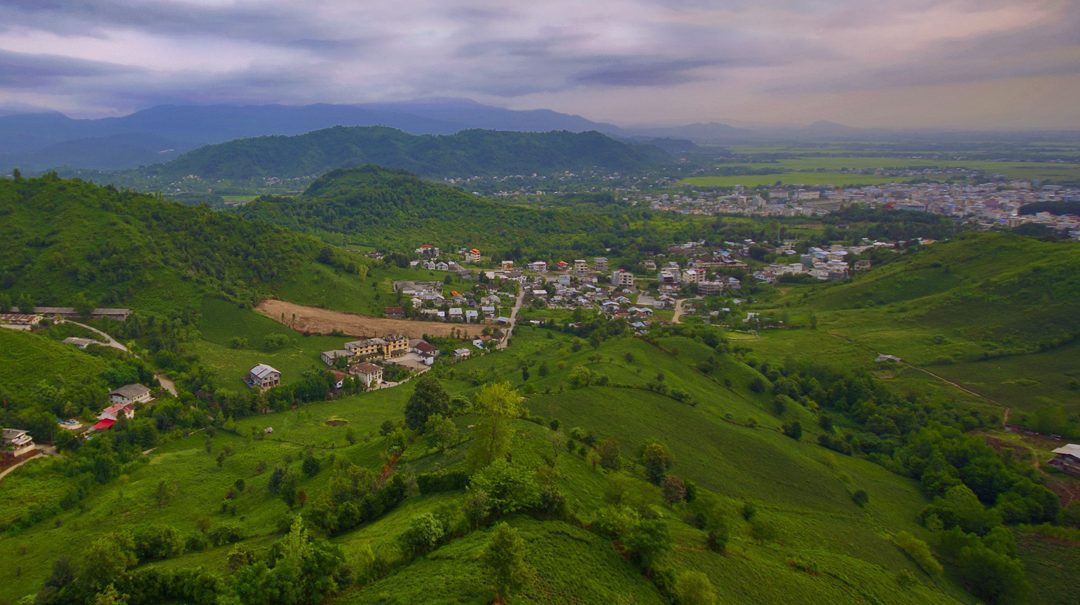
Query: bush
{"points": [[424, 534], [694, 588], [860, 497], [918, 551], [158, 542], [442, 481]]}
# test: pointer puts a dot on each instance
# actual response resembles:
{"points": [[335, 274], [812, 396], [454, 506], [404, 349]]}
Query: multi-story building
{"points": [[622, 278]]}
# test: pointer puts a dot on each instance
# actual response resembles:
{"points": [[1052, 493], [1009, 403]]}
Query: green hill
{"points": [[467, 153], [806, 540], [392, 208], [62, 241]]}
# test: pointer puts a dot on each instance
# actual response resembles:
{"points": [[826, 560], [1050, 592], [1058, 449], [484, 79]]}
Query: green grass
{"points": [[30, 359]]}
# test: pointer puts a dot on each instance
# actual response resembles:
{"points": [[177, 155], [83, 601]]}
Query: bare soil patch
{"points": [[312, 320]]}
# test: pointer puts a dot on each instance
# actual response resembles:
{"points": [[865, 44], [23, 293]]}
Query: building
{"points": [[263, 376], [538, 266], [395, 345], [368, 347], [19, 321], [600, 264], [70, 312], [116, 410], [580, 266], [131, 393], [368, 373], [507, 265], [693, 276], [15, 443], [710, 288], [394, 312], [472, 255], [622, 278], [1066, 458], [862, 265], [427, 250], [329, 357], [460, 354]]}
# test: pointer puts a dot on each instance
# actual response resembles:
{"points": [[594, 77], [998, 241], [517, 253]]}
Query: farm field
{"points": [[834, 168], [313, 320]]}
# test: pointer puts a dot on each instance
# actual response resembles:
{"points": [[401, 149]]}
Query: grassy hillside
{"points": [[31, 359], [808, 542], [62, 241], [995, 312], [467, 153]]}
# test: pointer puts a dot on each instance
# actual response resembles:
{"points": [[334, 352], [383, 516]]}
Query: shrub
{"points": [[917, 551], [425, 533], [860, 497]]}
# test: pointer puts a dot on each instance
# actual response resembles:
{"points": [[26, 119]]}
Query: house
{"points": [[441, 266], [263, 377], [862, 265], [427, 250], [394, 312], [368, 373], [600, 264], [460, 354], [622, 278], [538, 266], [19, 321], [15, 443], [471, 255], [1066, 458], [472, 316], [507, 265], [116, 410], [425, 350], [580, 266], [339, 379], [488, 310], [131, 393], [329, 357], [887, 358], [693, 276], [561, 265]]}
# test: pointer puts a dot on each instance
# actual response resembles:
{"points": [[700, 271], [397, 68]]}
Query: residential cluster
{"points": [[991, 204]]}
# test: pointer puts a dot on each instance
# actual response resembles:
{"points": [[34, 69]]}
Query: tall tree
{"points": [[428, 399], [505, 558], [496, 403]]}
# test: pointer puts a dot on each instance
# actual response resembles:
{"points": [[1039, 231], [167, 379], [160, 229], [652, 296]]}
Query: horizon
{"points": [[926, 65]]}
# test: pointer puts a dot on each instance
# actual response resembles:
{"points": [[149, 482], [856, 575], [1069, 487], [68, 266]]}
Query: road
{"points": [[678, 311], [109, 340], [505, 342], [45, 450]]}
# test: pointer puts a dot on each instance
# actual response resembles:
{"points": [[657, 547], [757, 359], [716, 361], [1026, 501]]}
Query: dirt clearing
{"points": [[312, 320]]}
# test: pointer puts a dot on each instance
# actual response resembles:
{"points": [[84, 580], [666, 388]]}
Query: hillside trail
{"points": [[165, 382], [927, 372], [505, 341], [677, 316]]}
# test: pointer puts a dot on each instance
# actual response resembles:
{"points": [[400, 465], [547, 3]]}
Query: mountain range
{"points": [[37, 142]]}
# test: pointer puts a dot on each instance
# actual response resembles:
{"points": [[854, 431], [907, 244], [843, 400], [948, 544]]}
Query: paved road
{"points": [[513, 320], [109, 340]]}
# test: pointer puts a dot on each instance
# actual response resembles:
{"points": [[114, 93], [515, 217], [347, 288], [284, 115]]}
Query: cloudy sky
{"points": [[896, 63]]}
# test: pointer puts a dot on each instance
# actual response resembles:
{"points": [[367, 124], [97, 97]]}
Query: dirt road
{"points": [[513, 320], [312, 320]]}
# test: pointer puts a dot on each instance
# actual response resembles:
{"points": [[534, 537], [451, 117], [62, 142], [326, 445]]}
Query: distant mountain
{"points": [[37, 141], [711, 132], [470, 152]]}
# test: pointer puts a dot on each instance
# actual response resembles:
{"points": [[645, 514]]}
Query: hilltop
{"points": [[66, 241], [467, 153]]}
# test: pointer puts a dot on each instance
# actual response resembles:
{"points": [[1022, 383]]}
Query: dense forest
{"points": [[470, 152]]}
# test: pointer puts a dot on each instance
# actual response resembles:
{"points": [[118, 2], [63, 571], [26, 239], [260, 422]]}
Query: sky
{"points": [[871, 63]]}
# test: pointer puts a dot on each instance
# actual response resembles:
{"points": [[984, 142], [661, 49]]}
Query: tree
{"points": [[793, 430], [496, 403], [310, 466], [505, 559], [694, 588], [648, 542], [110, 596], [441, 431], [609, 454], [674, 489], [657, 461], [428, 399]]}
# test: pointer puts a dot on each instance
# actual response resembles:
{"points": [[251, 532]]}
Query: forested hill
{"points": [[470, 152], [67, 241], [397, 210]]}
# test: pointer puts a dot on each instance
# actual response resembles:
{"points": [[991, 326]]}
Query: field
{"points": [[312, 320], [30, 359], [839, 167]]}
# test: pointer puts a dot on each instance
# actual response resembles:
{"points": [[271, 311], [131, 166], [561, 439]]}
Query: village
{"points": [[985, 205]]}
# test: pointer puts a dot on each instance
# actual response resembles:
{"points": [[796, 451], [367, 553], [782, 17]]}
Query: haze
{"points": [[917, 64]]}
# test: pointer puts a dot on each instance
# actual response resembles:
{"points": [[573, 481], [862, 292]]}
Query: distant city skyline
{"points": [[958, 64]]}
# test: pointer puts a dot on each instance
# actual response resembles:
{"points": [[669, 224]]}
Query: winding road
{"points": [[505, 342]]}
